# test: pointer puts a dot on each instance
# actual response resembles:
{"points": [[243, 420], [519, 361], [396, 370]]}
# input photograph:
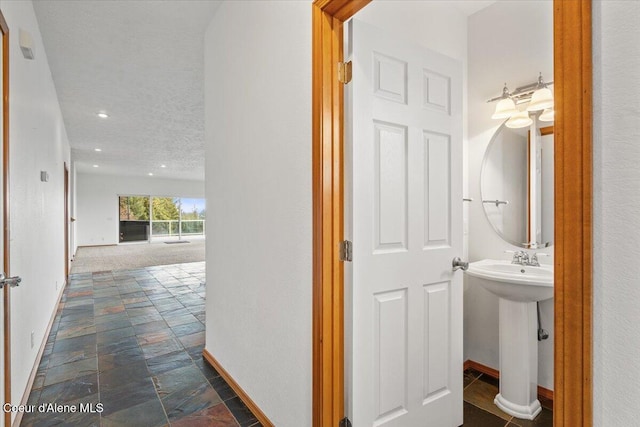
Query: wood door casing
{"points": [[573, 395], [5, 214], [573, 214], [66, 223]]}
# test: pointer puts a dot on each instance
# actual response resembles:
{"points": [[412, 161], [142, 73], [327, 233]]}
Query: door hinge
{"points": [[344, 72], [346, 251], [344, 422]]}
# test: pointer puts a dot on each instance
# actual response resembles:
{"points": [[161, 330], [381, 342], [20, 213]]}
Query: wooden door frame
{"points": [[4, 29], [66, 224], [573, 211]]}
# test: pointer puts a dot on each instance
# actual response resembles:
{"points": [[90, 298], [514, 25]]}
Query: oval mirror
{"points": [[516, 185]]}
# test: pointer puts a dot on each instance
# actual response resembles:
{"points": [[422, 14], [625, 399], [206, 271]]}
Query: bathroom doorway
{"points": [[572, 211]]}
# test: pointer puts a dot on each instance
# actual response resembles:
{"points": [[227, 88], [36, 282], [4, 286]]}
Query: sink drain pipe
{"points": [[542, 334]]}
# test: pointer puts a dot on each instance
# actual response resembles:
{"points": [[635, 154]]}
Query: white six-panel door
{"points": [[404, 215]]}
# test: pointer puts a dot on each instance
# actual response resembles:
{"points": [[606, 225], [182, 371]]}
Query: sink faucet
{"points": [[520, 257], [534, 259], [523, 258]]}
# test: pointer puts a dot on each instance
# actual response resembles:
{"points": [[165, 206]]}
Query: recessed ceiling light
{"points": [[150, 174], [97, 149], [103, 115], [163, 166], [95, 166]]}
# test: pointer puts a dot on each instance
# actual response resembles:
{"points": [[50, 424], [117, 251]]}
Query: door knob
{"points": [[11, 281], [459, 264]]}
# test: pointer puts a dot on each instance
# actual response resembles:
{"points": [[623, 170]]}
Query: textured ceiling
{"points": [[142, 63]]}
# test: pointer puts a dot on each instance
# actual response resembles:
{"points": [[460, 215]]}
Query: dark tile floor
{"points": [[480, 411], [132, 341]]}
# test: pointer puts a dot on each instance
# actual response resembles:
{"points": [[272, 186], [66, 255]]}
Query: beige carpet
{"points": [[129, 256]]}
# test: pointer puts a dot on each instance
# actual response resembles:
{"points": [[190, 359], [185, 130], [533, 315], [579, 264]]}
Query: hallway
{"points": [[132, 340]]}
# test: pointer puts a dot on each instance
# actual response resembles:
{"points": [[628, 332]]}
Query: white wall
{"points": [[435, 25], [258, 183], [616, 281], [510, 41], [38, 142], [97, 219]]}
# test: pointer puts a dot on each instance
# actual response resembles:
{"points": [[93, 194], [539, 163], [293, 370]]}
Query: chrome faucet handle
{"points": [[519, 257], [516, 258], [534, 258]]}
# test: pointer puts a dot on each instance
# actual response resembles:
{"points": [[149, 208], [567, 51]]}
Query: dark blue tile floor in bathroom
{"points": [[480, 411], [132, 341]]}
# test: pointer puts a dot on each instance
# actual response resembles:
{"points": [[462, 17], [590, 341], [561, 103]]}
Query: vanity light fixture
{"points": [[542, 98], [537, 94], [506, 107], [519, 120], [548, 115]]}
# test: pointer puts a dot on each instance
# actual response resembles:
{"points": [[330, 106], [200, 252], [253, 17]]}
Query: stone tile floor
{"points": [[132, 341], [480, 411]]}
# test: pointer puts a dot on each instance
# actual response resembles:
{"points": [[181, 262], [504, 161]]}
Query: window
{"points": [[160, 218], [134, 218]]}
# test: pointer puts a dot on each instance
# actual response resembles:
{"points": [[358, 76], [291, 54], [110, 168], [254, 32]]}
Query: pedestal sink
{"points": [[519, 287]]}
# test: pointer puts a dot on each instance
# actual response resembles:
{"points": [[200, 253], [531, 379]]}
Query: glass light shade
{"points": [[548, 115], [519, 120], [505, 109], [541, 99]]}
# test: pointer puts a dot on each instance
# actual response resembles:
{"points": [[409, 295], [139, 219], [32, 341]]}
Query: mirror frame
{"points": [[573, 289]]}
